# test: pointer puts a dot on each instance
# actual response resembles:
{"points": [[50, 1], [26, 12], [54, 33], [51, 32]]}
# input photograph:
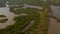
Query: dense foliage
{"points": [[32, 2], [22, 21], [3, 20], [2, 16]]}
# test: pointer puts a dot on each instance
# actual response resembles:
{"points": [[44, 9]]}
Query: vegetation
{"points": [[31, 2], [19, 2], [2, 16], [22, 10], [3, 20], [40, 25], [22, 21], [2, 3], [40, 16]]}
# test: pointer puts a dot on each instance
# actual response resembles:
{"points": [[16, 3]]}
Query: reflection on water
{"points": [[54, 26], [56, 10], [9, 15]]}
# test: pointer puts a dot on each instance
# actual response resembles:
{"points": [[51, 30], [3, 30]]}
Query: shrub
{"points": [[3, 20]]}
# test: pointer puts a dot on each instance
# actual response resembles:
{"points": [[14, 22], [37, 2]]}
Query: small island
{"points": [[2, 16], [3, 20]]}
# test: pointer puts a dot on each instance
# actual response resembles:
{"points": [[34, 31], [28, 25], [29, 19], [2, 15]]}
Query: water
{"points": [[5, 11], [9, 15], [32, 21], [54, 26], [31, 6], [56, 10]]}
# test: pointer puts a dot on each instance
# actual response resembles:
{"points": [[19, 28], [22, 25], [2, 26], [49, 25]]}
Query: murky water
{"points": [[56, 10], [54, 26], [31, 6], [9, 15]]}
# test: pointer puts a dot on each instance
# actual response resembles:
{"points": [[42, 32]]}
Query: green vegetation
{"points": [[54, 2], [34, 2], [2, 16], [19, 2], [2, 3], [42, 27], [22, 10], [40, 16], [31, 2], [22, 21], [3, 20]]}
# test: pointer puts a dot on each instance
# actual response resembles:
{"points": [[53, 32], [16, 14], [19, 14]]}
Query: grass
{"points": [[21, 21], [54, 3], [41, 21], [3, 20], [31, 2], [22, 10], [19, 2], [2, 16], [39, 27]]}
